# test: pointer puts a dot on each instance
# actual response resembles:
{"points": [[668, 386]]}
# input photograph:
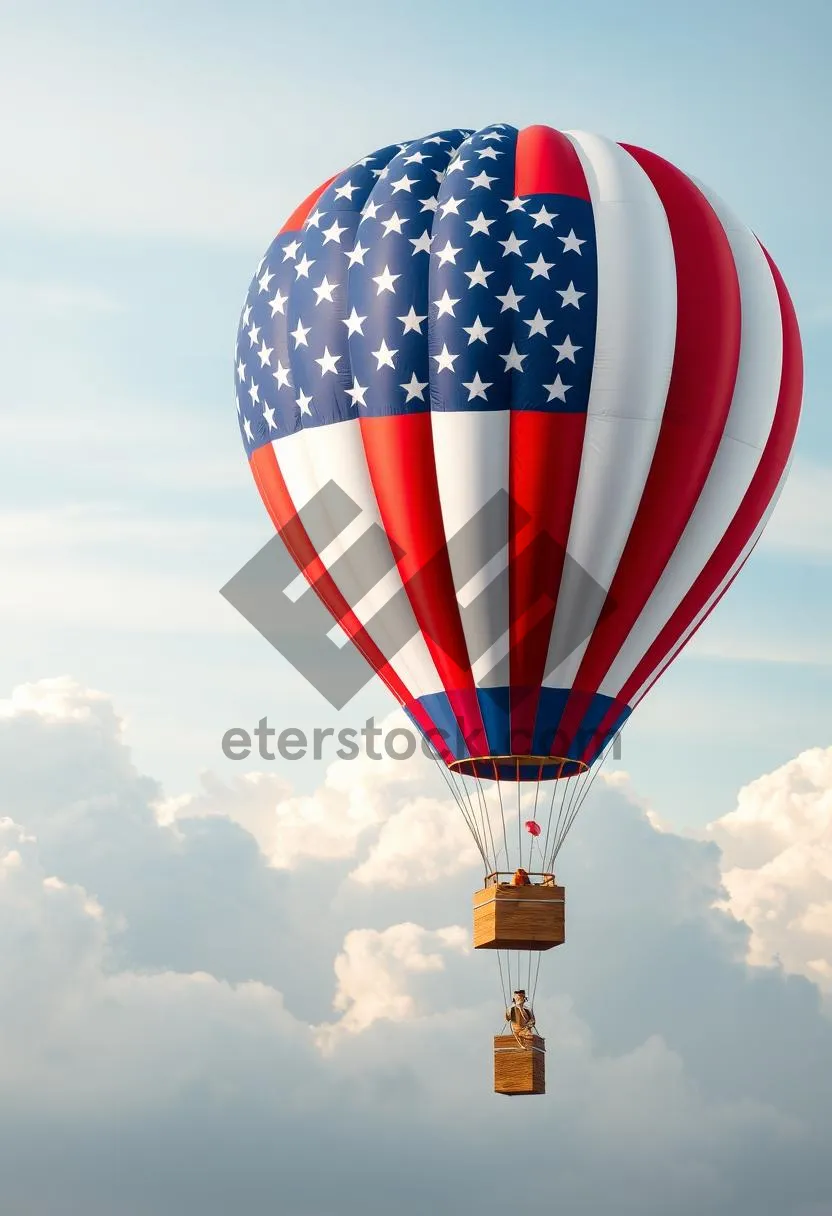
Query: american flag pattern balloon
{"points": [[564, 380]]}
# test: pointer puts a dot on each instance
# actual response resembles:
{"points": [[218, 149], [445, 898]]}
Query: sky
{"points": [[190, 980]]}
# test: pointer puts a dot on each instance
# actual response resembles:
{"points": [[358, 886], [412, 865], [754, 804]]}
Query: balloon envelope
{"points": [[560, 381]]}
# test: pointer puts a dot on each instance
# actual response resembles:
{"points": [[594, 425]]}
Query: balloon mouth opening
{"points": [[518, 768]]}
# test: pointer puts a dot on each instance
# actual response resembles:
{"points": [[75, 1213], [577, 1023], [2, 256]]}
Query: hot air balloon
{"points": [[562, 383]]}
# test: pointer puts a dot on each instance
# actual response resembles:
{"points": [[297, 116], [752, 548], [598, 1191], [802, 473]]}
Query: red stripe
{"points": [[704, 373], [755, 502], [401, 462], [544, 463], [547, 163], [278, 502], [298, 217]]}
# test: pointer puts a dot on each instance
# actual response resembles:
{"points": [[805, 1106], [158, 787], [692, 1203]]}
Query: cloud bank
{"points": [[192, 1021]]}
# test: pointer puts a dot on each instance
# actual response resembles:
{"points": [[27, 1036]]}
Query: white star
{"points": [[384, 356], [476, 387], [291, 250], [328, 362], [357, 393], [477, 331], [385, 281], [540, 268], [543, 217], [299, 334], [515, 204], [478, 276], [303, 402], [241, 371], [414, 388], [488, 153], [246, 315], [571, 296], [356, 254], [380, 173], [264, 352], [334, 232], [303, 267], [451, 206], [277, 301], [324, 290], [448, 254], [421, 244], [456, 164], [412, 321], [254, 393], [538, 324], [444, 360], [510, 300], [436, 139], [480, 224], [346, 191], [414, 158], [513, 360], [493, 135], [353, 323], [369, 212], [268, 414], [404, 183], [254, 334], [557, 390], [571, 243], [430, 203], [365, 160], [281, 375], [481, 180], [265, 280], [512, 245], [445, 305], [247, 429], [315, 218], [566, 350], [394, 224]]}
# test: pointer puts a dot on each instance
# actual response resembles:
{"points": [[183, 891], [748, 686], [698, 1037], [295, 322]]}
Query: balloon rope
{"points": [[502, 809], [486, 817], [584, 794], [519, 816], [447, 776]]}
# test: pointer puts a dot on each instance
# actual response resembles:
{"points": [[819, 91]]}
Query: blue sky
{"points": [[152, 151]]}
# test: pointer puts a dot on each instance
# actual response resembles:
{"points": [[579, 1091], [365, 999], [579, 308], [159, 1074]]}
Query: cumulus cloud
{"points": [[158, 1052], [777, 867], [374, 969]]}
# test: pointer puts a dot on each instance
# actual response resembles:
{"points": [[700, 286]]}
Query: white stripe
{"points": [[309, 459], [471, 450], [634, 346], [694, 625], [747, 429]]}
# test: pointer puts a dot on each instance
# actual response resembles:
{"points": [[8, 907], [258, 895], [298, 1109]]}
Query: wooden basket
{"points": [[519, 918], [519, 1067]]}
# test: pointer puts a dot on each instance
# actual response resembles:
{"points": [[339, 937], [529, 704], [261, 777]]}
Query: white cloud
{"points": [[374, 971], [424, 841], [777, 864], [167, 998]]}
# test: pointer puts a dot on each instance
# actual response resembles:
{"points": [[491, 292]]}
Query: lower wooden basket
{"points": [[519, 1066]]}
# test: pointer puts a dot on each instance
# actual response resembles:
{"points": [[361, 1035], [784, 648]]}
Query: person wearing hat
{"points": [[520, 1016]]}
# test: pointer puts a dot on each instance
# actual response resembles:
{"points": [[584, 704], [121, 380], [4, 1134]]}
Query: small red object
{"points": [[532, 827]]}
